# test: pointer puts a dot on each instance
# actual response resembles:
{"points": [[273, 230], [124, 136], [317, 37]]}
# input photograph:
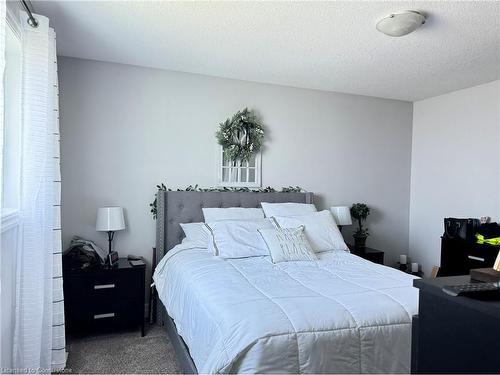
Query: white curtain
{"points": [[39, 342], [2, 70], [3, 22]]}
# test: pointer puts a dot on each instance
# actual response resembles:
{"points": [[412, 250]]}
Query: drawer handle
{"points": [[102, 316], [475, 258], [104, 286]]}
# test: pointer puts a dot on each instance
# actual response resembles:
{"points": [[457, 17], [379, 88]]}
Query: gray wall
{"points": [[125, 128], [455, 164]]}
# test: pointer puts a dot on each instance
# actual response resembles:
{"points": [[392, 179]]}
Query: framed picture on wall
{"points": [[238, 173]]}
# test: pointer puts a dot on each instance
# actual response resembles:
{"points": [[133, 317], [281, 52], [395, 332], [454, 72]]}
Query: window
{"points": [[11, 160], [239, 174]]}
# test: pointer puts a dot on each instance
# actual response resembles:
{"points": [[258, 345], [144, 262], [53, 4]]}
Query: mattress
{"points": [[339, 314]]}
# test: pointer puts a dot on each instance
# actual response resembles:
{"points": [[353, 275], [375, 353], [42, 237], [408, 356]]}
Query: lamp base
{"points": [[111, 235]]}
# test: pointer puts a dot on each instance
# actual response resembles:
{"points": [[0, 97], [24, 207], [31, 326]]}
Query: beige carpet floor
{"points": [[122, 353]]}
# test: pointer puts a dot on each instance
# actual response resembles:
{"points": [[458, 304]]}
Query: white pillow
{"points": [[287, 209], [320, 228], [197, 233], [239, 238], [286, 244], [232, 213]]}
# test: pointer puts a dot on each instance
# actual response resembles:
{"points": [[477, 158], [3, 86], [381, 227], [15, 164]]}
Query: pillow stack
{"points": [[288, 232]]}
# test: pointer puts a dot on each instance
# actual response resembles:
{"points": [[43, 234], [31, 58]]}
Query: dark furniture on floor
{"points": [[454, 334], [459, 256], [104, 298], [368, 253]]}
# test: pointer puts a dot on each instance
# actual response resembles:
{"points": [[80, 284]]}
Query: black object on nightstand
{"points": [[102, 298], [368, 253]]}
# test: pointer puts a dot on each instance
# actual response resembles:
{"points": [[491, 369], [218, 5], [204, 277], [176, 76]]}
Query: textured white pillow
{"points": [[232, 213], [239, 238], [287, 209], [320, 228], [197, 233], [286, 244]]}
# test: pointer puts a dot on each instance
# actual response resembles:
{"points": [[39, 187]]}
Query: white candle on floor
{"points": [[414, 267], [402, 259]]}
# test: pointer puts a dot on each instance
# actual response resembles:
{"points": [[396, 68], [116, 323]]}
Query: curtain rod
{"points": [[31, 20]]}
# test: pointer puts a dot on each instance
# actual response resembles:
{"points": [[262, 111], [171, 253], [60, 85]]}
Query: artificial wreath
{"points": [[241, 136]]}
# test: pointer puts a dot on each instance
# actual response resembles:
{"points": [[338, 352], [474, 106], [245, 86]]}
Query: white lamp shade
{"points": [[342, 215], [110, 219]]}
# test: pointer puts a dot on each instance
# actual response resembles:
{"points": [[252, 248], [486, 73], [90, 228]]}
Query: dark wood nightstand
{"points": [[368, 253], [103, 298]]}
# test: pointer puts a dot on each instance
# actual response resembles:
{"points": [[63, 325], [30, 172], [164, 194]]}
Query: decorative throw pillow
{"points": [[287, 244], [287, 209], [197, 234], [320, 229], [238, 238], [231, 213]]}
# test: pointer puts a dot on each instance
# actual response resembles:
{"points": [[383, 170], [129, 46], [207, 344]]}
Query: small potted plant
{"points": [[360, 211]]}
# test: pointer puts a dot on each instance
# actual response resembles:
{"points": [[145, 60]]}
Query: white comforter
{"points": [[339, 314]]}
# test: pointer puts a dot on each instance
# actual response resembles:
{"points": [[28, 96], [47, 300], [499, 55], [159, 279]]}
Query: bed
{"points": [[339, 314]]}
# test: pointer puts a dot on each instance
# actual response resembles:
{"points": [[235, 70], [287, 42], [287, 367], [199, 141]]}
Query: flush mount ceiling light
{"points": [[401, 23]]}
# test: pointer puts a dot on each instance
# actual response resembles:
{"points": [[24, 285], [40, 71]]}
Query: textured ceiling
{"points": [[330, 46]]}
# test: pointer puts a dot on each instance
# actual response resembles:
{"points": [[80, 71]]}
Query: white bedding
{"points": [[338, 314]]}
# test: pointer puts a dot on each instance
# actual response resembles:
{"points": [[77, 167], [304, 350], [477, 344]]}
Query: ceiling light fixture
{"points": [[401, 23]]}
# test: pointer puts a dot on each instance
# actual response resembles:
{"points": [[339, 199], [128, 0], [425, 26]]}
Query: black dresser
{"points": [[104, 298], [454, 334], [459, 256]]}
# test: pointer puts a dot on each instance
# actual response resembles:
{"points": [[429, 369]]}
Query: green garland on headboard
{"points": [[289, 189]]}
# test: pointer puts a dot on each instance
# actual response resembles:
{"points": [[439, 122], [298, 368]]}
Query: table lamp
{"points": [[110, 219], [342, 215]]}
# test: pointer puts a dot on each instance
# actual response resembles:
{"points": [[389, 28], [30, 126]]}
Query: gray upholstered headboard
{"points": [[175, 207]]}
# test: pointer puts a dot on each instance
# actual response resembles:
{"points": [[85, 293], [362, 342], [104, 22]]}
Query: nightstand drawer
{"points": [[105, 285], [126, 311], [122, 285], [111, 313]]}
